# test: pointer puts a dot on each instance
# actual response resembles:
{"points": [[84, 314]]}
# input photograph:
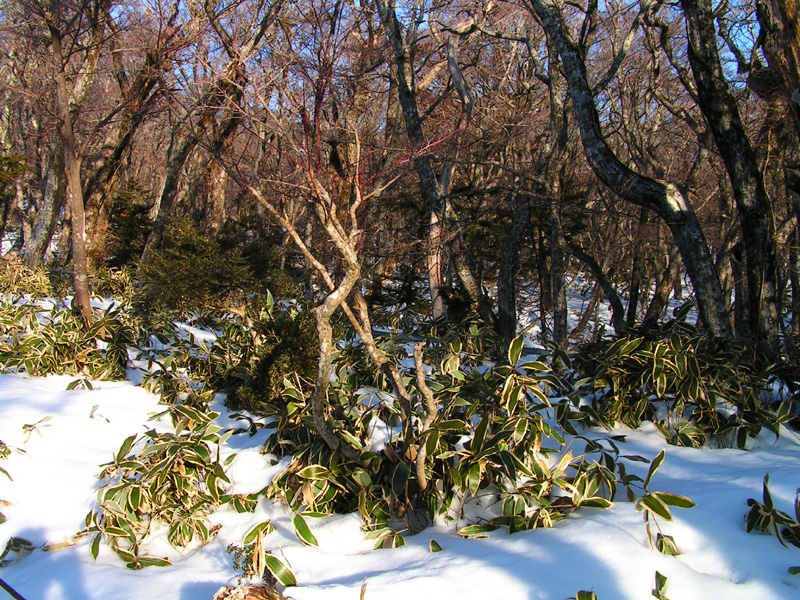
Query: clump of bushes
{"points": [[57, 340], [488, 439], [175, 479], [16, 278], [192, 272], [696, 390]]}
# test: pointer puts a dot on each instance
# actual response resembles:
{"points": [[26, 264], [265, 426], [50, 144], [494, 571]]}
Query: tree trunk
{"points": [[666, 199], [72, 168], [610, 292], [664, 286], [431, 190], [794, 279], [753, 205], [594, 300], [53, 193], [507, 277], [637, 269], [558, 277]]}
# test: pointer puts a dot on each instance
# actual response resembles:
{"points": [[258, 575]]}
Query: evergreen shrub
{"points": [[192, 272]]}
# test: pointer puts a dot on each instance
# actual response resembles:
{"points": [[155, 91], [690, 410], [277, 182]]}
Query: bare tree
{"points": [[665, 199]]}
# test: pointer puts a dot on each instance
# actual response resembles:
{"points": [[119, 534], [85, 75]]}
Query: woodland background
{"points": [[485, 149]]}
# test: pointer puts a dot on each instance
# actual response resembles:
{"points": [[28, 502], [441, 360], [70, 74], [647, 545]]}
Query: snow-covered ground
{"points": [[55, 481]]}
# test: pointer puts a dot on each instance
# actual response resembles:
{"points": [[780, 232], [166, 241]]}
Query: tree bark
{"points": [[431, 189], [507, 277], [610, 292], [665, 199], [52, 198], [558, 277], [72, 166], [752, 202]]}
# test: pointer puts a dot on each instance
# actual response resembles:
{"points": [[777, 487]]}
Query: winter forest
{"points": [[363, 269]]}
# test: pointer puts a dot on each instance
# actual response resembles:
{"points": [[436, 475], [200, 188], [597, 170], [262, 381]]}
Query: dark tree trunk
{"points": [[637, 269], [591, 307], [666, 199], [72, 167], [753, 205], [431, 189], [794, 279], [558, 275], [53, 194], [507, 277], [664, 286], [545, 282], [610, 292]]}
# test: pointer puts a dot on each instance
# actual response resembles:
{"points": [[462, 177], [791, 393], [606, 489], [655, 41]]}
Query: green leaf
{"points": [[478, 530], [480, 435], [675, 500], [535, 365], [767, 495], [149, 561], [95, 547], [597, 502], [509, 466], [264, 527], [661, 582], [302, 531], [452, 424], [654, 467], [314, 472], [794, 570], [434, 546], [280, 570], [515, 350], [624, 347], [666, 545], [125, 448], [474, 478], [654, 504], [400, 478]]}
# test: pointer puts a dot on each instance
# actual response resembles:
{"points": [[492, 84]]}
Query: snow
{"points": [[55, 482]]}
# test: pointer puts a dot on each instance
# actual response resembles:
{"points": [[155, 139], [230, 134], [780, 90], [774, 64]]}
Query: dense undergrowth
{"points": [[504, 434]]}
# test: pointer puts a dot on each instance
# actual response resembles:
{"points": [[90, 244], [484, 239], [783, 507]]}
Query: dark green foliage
{"points": [[129, 224], [193, 272], [115, 283], [765, 518], [695, 389], [255, 350], [259, 351], [11, 167], [266, 254]]}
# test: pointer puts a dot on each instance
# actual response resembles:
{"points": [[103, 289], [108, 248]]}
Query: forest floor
{"points": [[54, 466]]}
